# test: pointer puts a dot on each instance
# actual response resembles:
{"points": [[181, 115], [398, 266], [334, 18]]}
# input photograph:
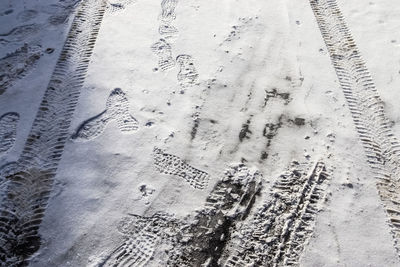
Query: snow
{"points": [[250, 82]]}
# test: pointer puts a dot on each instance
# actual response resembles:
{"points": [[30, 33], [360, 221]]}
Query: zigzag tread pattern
{"points": [[8, 131], [372, 125], [25, 196], [278, 231]]}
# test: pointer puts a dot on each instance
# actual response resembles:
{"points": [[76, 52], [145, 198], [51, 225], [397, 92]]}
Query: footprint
{"points": [[173, 165], [114, 6], [60, 13], [59, 18], [168, 10], [167, 31], [19, 33], [27, 15], [117, 108], [8, 131], [17, 64], [163, 50], [142, 237], [187, 75]]}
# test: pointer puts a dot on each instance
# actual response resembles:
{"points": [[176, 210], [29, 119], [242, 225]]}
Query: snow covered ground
{"points": [[199, 133]]}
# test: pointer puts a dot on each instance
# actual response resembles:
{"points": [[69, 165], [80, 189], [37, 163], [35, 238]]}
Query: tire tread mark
{"points": [[278, 231], [25, 195], [8, 131], [380, 145]]}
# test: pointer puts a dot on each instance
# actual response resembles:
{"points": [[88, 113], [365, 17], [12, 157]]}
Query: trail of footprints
{"points": [[28, 182], [367, 109], [172, 165], [117, 108], [168, 32], [166, 29], [233, 228], [187, 75]]}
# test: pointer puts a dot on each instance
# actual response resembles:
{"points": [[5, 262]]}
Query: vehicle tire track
{"points": [[277, 232], [8, 131], [380, 145], [27, 190]]}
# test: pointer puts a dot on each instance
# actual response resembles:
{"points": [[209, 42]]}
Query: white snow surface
{"points": [[241, 50]]}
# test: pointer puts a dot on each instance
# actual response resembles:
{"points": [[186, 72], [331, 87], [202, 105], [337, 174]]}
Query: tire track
{"points": [[277, 232], [380, 145], [8, 131], [25, 195]]}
